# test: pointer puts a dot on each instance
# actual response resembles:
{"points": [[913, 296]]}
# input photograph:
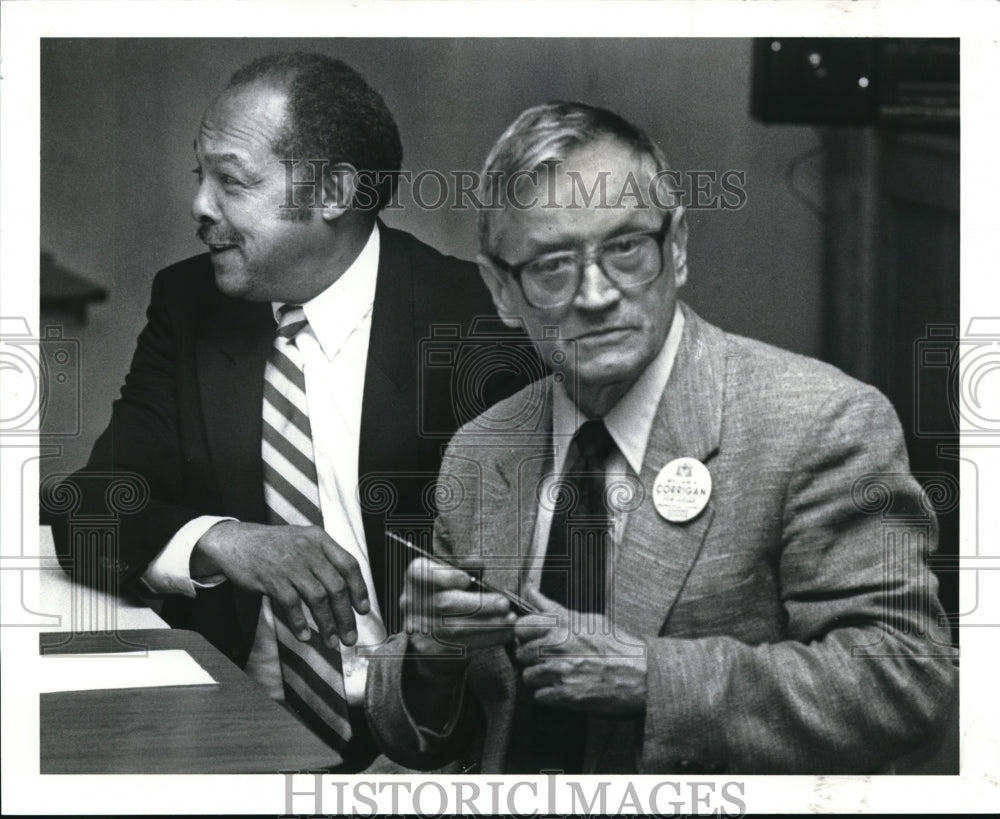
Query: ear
{"points": [[677, 238], [501, 289], [340, 190]]}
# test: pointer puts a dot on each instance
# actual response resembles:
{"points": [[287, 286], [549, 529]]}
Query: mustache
{"points": [[214, 235]]}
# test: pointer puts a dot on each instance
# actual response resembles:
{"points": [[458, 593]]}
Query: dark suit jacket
{"points": [[792, 627], [188, 424]]}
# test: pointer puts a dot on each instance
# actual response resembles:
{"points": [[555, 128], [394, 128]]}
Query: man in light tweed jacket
{"points": [[739, 603]]}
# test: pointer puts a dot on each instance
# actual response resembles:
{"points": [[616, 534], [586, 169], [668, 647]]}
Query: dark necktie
{"points": [[311, 672], [574, 575], [575, 569]]}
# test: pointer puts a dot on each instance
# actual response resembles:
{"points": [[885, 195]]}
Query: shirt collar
{"points": [[630, 421], [335, 313]]}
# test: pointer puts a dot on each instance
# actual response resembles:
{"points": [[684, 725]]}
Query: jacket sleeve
{"points": [[865, 672], [133, 474]]}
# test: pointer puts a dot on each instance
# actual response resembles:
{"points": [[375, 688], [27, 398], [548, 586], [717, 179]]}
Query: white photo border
{"points": [[25, 23]]}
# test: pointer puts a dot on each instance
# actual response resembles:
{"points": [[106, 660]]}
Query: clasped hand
{"points": [[570, 659], [577, 660]]}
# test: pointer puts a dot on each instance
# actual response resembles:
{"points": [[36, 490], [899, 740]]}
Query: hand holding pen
{"points": [[448, 613], [518, 604]]}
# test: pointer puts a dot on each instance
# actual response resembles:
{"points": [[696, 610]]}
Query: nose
{"points": [[204, 207], [596, 291]]}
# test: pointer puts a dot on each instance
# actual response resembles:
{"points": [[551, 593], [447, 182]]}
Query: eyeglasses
{"points": [[553, 279]]}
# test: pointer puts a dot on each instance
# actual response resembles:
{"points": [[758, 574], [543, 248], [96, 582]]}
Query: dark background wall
{"points": [[119, 116]]}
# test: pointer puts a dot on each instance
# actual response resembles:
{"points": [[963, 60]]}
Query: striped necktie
{"points": [[311, 672]]}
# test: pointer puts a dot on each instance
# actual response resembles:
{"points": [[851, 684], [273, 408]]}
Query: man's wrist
{"points": [[204, 555]]}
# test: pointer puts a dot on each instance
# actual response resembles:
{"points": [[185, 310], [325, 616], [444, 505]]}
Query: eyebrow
{"points": [[546, 247]]}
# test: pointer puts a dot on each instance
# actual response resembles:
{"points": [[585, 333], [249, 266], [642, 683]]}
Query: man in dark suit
{"points": [[265, 476], [693, 520]]}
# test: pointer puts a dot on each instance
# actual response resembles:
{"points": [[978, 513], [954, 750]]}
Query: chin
{"points": [[229, 285], [235, 284], [613, 367]]}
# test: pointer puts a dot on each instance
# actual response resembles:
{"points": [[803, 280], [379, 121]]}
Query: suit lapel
{"points": [[393, 332], [389, 423], [231, 356], [656, 555], [520, 466], [506, 521]]}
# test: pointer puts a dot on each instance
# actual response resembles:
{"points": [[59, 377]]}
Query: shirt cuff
{"points": [[170, 570]]}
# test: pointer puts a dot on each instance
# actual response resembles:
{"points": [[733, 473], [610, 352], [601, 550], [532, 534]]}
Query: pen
{"points": [[519, 604]]}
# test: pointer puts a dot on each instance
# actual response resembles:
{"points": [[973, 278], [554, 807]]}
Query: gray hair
{"points": [[547, 134]]}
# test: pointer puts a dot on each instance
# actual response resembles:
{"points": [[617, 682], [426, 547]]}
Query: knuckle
{"points": [[341, 604], [315, 593], [300, 543]]}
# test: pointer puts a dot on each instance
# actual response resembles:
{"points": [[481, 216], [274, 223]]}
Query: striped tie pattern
{"points": [[311, 672]]}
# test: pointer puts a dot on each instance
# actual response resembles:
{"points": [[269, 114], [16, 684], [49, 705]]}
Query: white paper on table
{"points": [[133, 669]]}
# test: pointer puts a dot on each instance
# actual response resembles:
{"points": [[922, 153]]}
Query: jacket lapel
{"points": [[520, 467], [231, 356], [656, 555], [389, 422], [506, 521], [393, 332]]}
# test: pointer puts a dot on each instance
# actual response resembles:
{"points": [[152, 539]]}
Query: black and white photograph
{"points": [[426, 408]]}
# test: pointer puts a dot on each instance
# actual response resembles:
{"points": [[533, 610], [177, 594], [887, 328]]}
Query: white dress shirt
{"points": [[334, 349], [629, 422]]}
